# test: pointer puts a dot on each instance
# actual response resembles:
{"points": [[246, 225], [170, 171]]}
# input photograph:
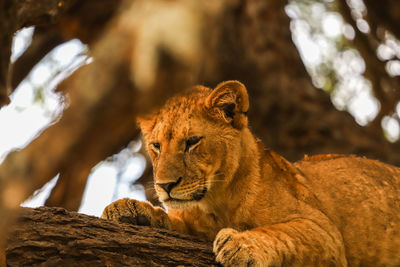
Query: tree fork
{"points": [[56, 237]]}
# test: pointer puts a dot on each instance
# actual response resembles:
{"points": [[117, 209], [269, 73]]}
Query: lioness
{"points": [[220, 183]]}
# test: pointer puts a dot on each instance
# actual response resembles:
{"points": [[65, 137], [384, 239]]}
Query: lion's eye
{"points": [[156, 146], [192, 141]]}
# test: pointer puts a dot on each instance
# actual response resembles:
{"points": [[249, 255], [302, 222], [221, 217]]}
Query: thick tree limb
{"points": [[56, 237], [75, 23], [16, 15]]}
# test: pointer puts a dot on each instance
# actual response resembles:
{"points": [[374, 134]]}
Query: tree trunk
{"points": [[56, 237]]}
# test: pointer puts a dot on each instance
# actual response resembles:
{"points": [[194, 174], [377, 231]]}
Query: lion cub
{"points": [[220, 183]]}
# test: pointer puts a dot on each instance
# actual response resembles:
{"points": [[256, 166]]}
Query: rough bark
{"points": [[56, 237]]}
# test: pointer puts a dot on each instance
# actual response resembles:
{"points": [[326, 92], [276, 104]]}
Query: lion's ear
{"points": [[230, 101], [146, 123]]}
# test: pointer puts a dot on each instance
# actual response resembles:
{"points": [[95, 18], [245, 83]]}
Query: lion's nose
{"points": [[169, 186]]}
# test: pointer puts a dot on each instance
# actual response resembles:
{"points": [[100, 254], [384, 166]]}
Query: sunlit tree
{"points": [[323, 77]]}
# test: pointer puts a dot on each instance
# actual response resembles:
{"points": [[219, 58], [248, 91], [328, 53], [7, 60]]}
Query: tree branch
{"points": [[75, 23], [385, 13], [54, 236], [16, 15], [384, 86]]}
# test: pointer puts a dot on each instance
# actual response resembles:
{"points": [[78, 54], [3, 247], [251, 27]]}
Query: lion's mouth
{"points": [[197, 196]]}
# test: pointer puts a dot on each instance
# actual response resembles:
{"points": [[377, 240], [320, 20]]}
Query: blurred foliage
{"points": [[324, 40]]}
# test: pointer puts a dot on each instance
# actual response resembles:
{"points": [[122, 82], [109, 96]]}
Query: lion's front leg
{"points": [[295, 243], [136, 212]]}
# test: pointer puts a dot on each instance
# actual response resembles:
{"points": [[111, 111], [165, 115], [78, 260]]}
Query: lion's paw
{"points": [[233, 248], [129, 211]]}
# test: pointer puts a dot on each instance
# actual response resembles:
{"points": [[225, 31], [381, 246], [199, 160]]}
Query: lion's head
{"points": [[194, 142]]}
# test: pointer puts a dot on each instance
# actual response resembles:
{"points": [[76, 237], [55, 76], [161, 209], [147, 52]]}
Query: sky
{"points": [[32, 109]]}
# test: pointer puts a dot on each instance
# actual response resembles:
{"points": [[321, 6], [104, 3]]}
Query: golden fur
{"points": [[220, 183]]}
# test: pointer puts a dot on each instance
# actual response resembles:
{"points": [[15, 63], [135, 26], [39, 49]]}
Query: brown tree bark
{"points": [[56, 237]]}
